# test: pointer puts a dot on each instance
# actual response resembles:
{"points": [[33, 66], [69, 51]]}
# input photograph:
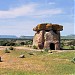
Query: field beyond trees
{"points": [[37, 62]]}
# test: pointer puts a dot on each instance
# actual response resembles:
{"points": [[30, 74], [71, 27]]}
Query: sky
{"points": [[19, 17]]}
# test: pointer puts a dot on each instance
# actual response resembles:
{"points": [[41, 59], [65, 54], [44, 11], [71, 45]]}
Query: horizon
{"points": [[19, 17], [30, 35]]}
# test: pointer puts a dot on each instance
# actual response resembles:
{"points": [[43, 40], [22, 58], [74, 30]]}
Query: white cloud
{"points": [[29, 10], [49, 12], [18, 28], [19, 11]]}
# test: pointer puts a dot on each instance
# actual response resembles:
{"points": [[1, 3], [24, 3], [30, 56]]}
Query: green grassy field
{"points": [[41, 63]]}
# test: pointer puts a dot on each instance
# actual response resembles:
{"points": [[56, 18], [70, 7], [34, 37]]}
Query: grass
{"points": [[41, 63], [69, 47]]}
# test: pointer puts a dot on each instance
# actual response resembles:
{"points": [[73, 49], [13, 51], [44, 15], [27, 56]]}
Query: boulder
{"points": [[50, 51]]}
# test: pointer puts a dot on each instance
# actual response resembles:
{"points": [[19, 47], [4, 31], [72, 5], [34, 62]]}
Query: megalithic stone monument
{"points": [[47, 36]]}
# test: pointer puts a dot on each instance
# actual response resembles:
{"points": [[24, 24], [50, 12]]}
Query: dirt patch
{"points": [[19, 64], [2, 47]]}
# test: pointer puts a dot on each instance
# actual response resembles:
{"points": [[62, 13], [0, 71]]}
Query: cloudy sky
{"points": [[18, 17]]}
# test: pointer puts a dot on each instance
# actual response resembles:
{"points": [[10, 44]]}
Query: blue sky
{"points": [[18, 17]]}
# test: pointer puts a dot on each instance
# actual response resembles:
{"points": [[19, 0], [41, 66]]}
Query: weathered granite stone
{"points": [[47, 36], [39, 39], [48, 26]]}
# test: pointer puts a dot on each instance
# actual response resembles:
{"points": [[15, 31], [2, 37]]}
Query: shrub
{"points": [[28, 42], [35, 47], [73, 60], [3, 43], [22, 43], [7, 51], [41, 51], [72, 47], [11, 48], [62, 45], [10, 44], [46, 49]]}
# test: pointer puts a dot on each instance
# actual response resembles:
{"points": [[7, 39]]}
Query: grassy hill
{"points": [[8, 36]]}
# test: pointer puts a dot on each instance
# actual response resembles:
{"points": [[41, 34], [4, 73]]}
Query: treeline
{"points": [[15, 42], [65, 44]]}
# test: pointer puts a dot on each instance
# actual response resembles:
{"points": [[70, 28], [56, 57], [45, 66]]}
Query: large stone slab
{"points": [[48, 26]]}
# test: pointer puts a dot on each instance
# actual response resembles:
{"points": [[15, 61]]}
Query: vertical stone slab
{"points": [[38, 39], [57, 46], [35, 39], [41, 40]]}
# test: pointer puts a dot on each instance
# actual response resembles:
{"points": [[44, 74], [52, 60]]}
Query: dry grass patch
{"points": [[42, 63]]}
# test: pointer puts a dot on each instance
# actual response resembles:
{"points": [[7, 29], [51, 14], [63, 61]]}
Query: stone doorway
{"points": [[52, 46]]}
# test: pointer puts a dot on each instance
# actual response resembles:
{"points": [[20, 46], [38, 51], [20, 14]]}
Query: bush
{"points": [[3, 43], [22, 43], [28, 42], [73, 60], [62, 45], [7, 51], [11, 48], [10, 44], [46, 49], [72, 47], [6, 43], [34, 47]]}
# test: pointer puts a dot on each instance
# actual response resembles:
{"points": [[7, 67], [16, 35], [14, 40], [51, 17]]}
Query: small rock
{"points": [[0, 59], [22, 56], [31, 53], [50, 51]]}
